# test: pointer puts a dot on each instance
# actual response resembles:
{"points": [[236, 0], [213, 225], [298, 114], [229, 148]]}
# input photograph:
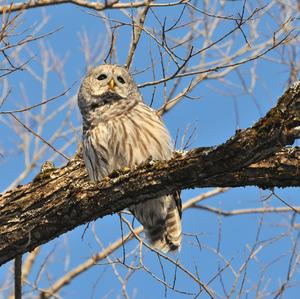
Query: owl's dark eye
{"points": [[120, 79], [102, 77]]}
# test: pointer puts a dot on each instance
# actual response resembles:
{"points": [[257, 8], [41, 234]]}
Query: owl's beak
{"points": [[112, 84]]}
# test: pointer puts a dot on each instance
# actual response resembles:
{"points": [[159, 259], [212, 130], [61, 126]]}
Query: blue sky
{"points": [[222, 107]]}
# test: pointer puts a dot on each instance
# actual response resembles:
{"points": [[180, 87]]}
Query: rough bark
{"points": [[61, 199]]}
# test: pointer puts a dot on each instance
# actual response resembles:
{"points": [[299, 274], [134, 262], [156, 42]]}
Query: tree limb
{"points": [[61, 199], [95, 5]]}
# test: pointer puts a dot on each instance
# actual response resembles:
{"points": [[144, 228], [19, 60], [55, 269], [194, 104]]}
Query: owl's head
{"points": [[104, 85]]}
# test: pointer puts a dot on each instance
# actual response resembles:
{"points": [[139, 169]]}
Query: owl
{"points": [[119, 130]]}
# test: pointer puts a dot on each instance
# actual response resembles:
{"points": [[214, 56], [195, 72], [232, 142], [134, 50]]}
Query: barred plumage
{"points": [[120, 130]]}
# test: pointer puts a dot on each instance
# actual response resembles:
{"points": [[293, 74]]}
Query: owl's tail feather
{"points": [[167, 235]]}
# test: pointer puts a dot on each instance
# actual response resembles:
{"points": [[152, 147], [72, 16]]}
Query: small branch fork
{"points": [[137, 30]]}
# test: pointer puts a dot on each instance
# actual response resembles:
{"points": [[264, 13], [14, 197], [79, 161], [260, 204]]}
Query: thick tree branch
{"points": [[61, 199]]}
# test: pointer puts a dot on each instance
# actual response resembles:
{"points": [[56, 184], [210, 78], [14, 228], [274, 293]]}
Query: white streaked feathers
{"points": [[140, 140], [120, 130]]}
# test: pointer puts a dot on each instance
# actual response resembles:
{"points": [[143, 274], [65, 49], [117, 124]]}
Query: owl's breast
{"points": [[126, 140], [138, 135]]}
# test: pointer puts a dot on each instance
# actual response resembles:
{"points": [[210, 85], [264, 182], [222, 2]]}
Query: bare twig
{"points": [[137, 30], [38, 136], [18, 277], [39, 104]]}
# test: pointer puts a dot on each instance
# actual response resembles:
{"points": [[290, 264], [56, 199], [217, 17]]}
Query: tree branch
{"points": [[61, 199], [95, 5]]}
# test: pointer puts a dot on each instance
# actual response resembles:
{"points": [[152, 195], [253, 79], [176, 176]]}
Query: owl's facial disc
{"points": [[109, 91], [111, 82], [106, 85]]}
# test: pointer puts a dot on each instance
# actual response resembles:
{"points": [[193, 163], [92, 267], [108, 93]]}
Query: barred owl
{"points": [[120, 130]]}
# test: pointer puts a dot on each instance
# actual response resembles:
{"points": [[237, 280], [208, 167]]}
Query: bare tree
{"points": [[188, 56]]}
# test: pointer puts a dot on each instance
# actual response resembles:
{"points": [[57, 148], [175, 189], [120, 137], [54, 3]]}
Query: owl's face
{"points": [[105, 85]]}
